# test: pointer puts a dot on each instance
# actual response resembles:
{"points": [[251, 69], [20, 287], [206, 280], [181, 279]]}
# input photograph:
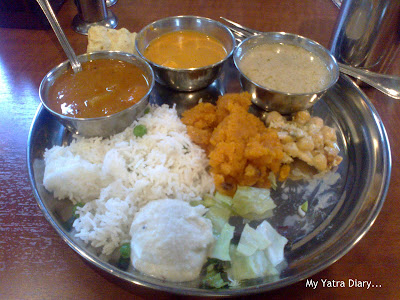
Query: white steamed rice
{"points": [[115, 177]]}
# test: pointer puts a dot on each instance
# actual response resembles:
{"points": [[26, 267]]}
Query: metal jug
{"points": [[367, 34]]}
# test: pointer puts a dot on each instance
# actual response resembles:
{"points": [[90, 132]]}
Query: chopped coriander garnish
{"points": [[303, 209], [74, 208], [304, 206], [125, 250]]}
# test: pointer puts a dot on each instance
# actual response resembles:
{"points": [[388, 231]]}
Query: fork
{"points": [[387, 84]]}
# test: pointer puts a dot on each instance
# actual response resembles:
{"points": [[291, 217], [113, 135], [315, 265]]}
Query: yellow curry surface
{"points": [[185, 49], [242, 151]]}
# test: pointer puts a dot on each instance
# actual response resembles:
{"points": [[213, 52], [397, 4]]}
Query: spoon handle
{"points": [[51, 17], [387, 84]]}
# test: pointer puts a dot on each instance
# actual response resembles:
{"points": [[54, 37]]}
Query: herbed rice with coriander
{"points": [[117, 176]]}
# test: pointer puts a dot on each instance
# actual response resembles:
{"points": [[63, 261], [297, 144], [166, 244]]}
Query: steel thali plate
{"points": [[342, 205]]}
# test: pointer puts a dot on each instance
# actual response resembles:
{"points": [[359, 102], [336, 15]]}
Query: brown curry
{"points": [[103, 87]]}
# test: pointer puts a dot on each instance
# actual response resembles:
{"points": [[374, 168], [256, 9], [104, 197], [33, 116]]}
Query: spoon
{"points": [[387, 84], [49, 13]]}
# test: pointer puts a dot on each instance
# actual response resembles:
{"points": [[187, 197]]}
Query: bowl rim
{"points": [[181, 70], [64, 64], [333, 60]]}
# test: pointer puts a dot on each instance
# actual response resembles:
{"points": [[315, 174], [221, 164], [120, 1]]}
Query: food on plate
{"points": [[244, 151], [306, 138], [250, 203], [258, 253], [139, 130], [125, 256], [132, 193], [241, 149], [171, 240], [101, 38], [103, 87], [185, 49], [114, 177], [147, 194], [302, 209], [285, 68], [242, 252]]}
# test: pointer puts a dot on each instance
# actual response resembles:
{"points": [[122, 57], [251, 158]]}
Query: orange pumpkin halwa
{"points": [[242, 151]]}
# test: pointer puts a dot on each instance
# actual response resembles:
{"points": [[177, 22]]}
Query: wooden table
{"points": [[35, 263]]}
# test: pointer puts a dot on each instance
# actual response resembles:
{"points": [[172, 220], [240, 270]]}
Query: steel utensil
{"points": [[106, 125], [49, 13], [190, 79], [282, 101], [387, 84]]}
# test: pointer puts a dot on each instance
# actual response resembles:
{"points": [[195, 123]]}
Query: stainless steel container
{"points": [[281, 101], [192, 79], [106, 125], [367, 34], [93, 12]]}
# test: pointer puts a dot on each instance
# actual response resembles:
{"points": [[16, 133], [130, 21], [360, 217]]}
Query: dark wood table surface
{"points": [[35, 263]]}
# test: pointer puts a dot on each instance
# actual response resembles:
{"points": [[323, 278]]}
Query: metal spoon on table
{"points": [[387, 84], [49, 13]]}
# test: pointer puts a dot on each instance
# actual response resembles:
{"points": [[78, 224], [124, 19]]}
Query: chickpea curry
{"points": [[244, 151]]}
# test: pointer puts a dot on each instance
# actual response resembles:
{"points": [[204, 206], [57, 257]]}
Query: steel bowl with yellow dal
{"points": [[187, 53]]}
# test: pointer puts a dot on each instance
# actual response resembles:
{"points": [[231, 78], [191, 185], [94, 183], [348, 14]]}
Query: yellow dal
{"points": [[185, 49]]}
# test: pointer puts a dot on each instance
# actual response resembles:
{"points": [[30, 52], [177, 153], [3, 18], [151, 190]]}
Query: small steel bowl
{"points": [[283, 102], [186, 79], [106, 125]]}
